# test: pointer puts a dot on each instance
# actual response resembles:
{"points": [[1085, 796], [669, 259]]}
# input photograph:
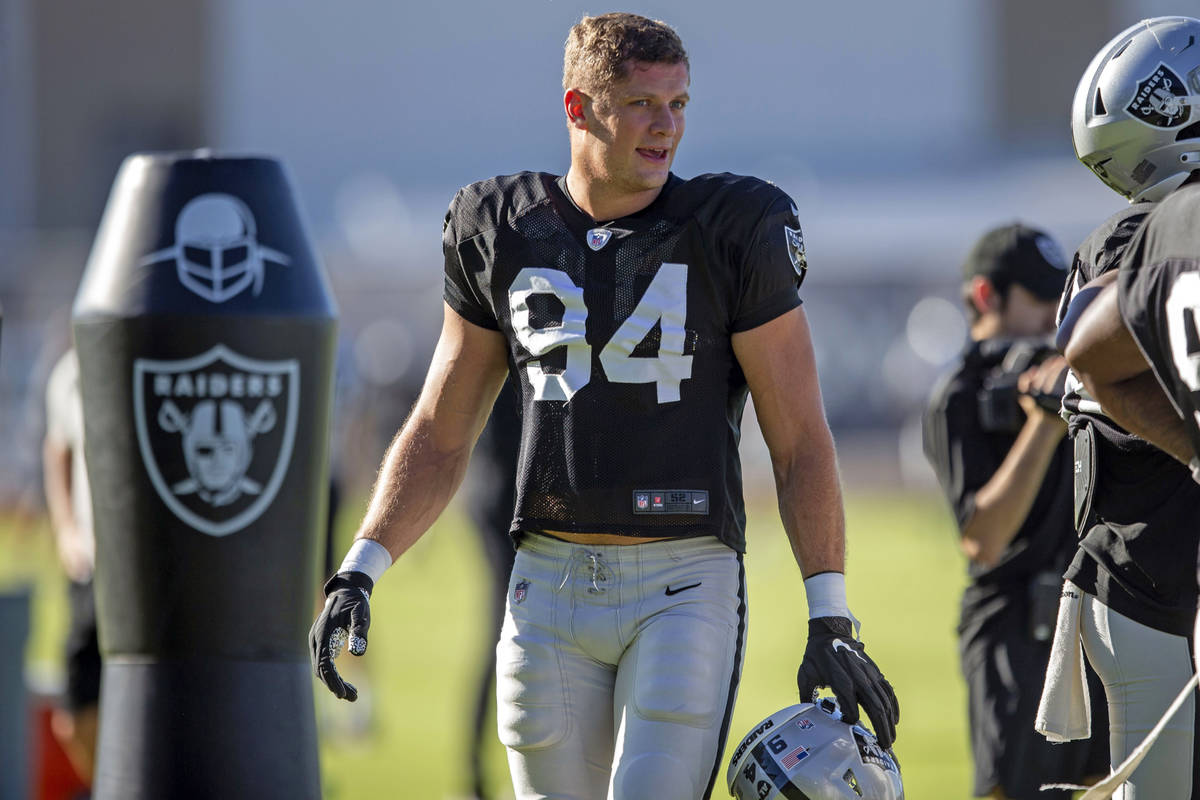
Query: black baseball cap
{"points": [[1019, 254]]}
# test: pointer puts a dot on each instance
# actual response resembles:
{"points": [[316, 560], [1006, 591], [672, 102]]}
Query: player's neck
{"points": [[604, 202]]}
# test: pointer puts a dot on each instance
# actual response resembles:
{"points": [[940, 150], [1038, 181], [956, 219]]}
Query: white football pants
{"points": [[1143, 670], [618, 666]]}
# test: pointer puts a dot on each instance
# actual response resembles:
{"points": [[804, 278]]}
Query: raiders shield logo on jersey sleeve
{"points": [[795, 248], [216, 434]]}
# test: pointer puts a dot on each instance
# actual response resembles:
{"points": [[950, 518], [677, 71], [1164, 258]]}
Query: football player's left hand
{"points": [[836, 659]]}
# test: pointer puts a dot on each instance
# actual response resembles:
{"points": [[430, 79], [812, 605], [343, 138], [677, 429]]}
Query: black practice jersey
{"points": [[965, 456], [1144, 502], [1100, 253], [619, 340], [1159, 296]]}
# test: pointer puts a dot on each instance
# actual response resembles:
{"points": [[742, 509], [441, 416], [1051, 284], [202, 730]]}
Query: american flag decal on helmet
{"points": [[793, 758]]}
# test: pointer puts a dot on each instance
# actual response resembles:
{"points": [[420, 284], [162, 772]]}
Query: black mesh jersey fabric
{"points": [[619, 338], [1159, 294], [1101, 252], [1137, 552]]}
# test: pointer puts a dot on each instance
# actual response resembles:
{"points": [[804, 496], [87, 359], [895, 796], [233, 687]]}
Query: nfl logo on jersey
{"points": [[598, 237], [520, 591]]}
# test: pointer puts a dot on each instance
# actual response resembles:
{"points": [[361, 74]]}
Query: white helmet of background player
{"points": [[807, 751], [1136, 115]]}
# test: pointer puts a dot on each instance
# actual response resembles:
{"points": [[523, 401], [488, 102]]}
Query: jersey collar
{"points": [[582, 221]]}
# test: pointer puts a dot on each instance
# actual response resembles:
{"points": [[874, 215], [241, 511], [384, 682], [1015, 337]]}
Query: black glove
{"points": [[834, 658], [345, 619]]}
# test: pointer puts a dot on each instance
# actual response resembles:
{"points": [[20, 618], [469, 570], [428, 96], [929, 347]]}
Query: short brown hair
{"points": [[599, 49]]}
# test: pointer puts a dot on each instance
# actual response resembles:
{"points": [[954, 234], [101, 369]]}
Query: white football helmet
{"points": [[807, 751], [1135, 119]]}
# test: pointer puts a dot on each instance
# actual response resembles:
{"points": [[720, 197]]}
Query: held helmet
{"points": [[1135, 120], [807, 751]]}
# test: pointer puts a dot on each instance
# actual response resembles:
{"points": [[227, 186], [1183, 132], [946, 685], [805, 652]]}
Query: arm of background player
{"points": [[1104, 355], [56, 478], [780, 367], [1003, 503], [427, 460]]}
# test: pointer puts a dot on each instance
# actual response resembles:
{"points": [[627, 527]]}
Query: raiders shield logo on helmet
{"points": [[1161, 99], [216, 250], [216, 434]]}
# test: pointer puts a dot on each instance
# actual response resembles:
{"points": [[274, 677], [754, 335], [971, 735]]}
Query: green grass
{"points": [[904, 574], [28, 563]]}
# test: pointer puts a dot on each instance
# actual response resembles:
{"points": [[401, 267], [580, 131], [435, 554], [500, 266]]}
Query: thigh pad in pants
{"points": [[530, 691], [681, 670]]}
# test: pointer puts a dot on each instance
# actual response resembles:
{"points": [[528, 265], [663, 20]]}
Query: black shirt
{"points": [[619, 341], [1145, 503], [1101, 252], [965, 456], [1159, 297]]}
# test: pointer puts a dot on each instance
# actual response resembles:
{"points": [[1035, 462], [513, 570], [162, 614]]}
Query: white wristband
{"points": [[827, 595], [367, 556]]}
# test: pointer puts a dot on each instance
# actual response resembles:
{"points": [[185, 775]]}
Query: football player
{"points": [[635, 310], [1134, 125]]}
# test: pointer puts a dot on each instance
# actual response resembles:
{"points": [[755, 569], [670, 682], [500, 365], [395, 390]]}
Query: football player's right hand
{"points": [[344, 620]]}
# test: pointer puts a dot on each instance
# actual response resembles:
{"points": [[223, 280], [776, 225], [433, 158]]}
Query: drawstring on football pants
{"points": [[600, 571]]}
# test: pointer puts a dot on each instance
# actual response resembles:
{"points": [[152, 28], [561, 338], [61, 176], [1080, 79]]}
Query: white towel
{"points": [[1065, 711]]}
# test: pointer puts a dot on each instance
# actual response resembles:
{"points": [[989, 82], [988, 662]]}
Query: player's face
{"points": [[1025, 314], [637, 127]]}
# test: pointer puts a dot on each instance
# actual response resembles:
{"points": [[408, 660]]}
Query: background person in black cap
{"points": [[994, 437]]}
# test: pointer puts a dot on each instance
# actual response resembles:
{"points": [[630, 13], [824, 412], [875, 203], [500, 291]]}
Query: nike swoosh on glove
{"points": [[345, 619], [834, 658]]}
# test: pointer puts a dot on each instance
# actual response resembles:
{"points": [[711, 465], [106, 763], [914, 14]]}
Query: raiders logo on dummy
{"points": [[216, 250], [216, 433]]}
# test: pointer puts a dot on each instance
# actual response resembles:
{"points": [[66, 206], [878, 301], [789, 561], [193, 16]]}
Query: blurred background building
{"points": [[903, 131]]}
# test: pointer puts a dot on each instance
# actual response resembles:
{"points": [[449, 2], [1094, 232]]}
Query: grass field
{"points": [[904, 575]]}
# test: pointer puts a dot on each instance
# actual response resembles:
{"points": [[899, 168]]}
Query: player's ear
{"points": [[575, 103], [984, 296]]}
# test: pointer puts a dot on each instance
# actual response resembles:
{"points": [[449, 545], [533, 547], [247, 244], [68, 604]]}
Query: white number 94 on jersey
{"points": [[664, 303]]}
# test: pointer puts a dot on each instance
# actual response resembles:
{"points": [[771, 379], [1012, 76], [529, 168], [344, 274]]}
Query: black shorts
{"points": [[82, 652], [1004, 669]]}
